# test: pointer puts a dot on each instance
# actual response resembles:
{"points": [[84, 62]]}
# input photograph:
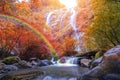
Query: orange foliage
{"points": [[34, 13]]}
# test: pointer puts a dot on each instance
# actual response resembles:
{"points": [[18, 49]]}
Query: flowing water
{"points": [[61, 21], [63, 71]]}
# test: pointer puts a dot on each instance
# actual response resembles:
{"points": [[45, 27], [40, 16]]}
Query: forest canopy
{"points": [[90, 25]]}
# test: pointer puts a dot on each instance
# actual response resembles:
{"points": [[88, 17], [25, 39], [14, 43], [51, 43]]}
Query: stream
{"points": [[68, 70], [55, 72]]}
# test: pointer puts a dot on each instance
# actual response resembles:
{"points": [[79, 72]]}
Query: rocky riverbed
{"points": [[106, 67]]}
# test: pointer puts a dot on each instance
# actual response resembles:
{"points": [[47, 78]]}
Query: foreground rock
{"points": [[99, 60], [110, 65], [111, 77]]}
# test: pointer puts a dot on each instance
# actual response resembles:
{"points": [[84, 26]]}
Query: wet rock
{"points": [[85, 62], [111, 77], [109, 64], [44, 63], [96, 62], [109, 52], [113, 50], [48, 78], [34, 63], [24, 64], [72, 79], [1, 68], [34, 59], [88, 55], [9, 68], [62, 60], [1, 65]]}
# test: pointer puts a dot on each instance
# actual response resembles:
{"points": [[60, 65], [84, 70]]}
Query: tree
{"points": [[9, 38], [104, 31]]}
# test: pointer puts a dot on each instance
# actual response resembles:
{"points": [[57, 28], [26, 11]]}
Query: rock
{"points": [[109, 52], [1, 68], [96, 62], [33, 59], [9, 68], [11, 60], [110, 64], [24, 64], [44, 63], [62, 60], [1, 65], [113, 50], [111, 77], [34, 63], [88, 55], [85, 62], [73, 79], [48, 78]]}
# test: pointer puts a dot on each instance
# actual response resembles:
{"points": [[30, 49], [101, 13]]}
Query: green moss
{"points": [[11, 60], [98, 54]]}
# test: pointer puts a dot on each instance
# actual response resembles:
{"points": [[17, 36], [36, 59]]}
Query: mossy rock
{"points": [[11, 60], [98, 54]]}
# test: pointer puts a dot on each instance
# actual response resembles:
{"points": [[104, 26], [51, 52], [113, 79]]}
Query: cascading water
{"points": [[73, 24], [68, 61], [48, 18], [64, 19]]}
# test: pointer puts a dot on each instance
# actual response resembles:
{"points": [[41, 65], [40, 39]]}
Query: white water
{"points": [[48, 18], [63, 19], [73, 24], [69, 61]]}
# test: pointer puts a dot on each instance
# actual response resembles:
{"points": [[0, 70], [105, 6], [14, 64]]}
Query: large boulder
{"points": [[97, 61], [111, 77], [110, 65]]}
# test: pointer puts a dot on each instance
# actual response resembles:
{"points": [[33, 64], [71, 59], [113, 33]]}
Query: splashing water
{"points": [[68, 61]]}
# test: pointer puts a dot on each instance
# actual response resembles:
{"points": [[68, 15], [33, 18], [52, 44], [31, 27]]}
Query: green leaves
{"points": [[105, 28]]}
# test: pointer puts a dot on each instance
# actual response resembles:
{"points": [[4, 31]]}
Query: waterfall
{"points": [[63, 19], [49, 18], [72, 60], [73, 24], [68, 61]]}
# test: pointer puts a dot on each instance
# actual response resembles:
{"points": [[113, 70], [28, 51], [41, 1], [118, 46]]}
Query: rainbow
{"points": [[38, 33]]}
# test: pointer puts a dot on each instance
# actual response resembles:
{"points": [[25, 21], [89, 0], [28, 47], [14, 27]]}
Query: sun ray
{"points": [[69, 3]]}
